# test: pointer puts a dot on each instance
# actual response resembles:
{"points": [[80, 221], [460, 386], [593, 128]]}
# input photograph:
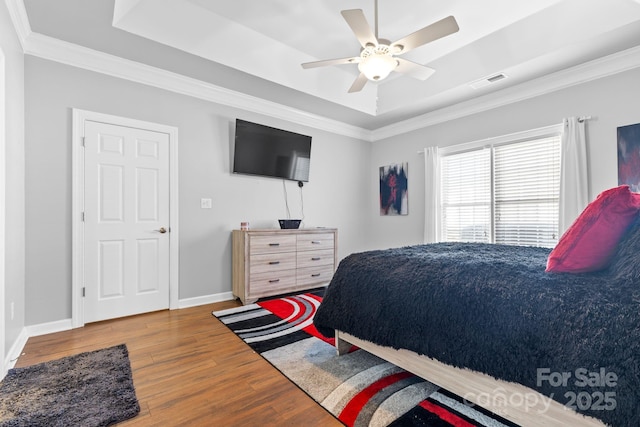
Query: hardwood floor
{"points": [[189, 369]]}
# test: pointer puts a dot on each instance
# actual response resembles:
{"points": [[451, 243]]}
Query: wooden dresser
{"points": [[272, 262]]}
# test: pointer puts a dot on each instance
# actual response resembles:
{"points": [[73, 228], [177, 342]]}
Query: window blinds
{"points": [[506, 193], [526, 189], [466, 196]]}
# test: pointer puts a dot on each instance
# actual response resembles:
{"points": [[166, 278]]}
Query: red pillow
{"points": [[590, 242]]}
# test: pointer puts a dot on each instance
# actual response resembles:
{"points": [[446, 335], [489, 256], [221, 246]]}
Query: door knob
{"points": [[161, 230]]}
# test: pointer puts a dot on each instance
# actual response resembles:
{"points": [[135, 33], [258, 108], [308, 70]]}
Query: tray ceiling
{"points": [[256, 47]]}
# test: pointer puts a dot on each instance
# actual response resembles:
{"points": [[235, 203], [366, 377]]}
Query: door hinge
{"points": [[83, 292], [82, 216], [83, 141]]}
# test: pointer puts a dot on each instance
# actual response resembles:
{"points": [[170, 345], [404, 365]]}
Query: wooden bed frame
{"points": [[512, 401]]}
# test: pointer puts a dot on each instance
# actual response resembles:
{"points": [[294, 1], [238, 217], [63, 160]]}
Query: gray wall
{"points": [[13, 170], [334, 197], [343, 191], [612, 101]]}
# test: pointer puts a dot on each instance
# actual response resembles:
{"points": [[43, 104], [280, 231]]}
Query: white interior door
{"points": [[126, 221]]}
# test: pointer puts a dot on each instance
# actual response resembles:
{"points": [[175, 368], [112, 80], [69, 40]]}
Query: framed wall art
{"points": [[393, 189], [629, 156]]}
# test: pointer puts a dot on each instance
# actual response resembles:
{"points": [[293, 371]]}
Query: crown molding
{"points": [[78, 56], [589, 71], [53, 49], [18, 14]]}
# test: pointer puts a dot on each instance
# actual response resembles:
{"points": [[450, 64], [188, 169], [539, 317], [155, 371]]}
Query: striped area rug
{"points": [[357, 388]]}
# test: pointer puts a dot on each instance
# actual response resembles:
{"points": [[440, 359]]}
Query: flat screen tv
{"points": [[266, 151]]}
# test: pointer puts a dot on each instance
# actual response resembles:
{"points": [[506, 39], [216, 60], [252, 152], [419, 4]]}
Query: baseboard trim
{"points": [[67, 324], [15, 351], [49, 328], [207, 299]]}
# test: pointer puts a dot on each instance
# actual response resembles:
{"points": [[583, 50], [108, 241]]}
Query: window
{"points": [[466, 196], [503, 191]]}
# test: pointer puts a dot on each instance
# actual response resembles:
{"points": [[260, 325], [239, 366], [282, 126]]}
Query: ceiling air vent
{"points": [[486, 81]]}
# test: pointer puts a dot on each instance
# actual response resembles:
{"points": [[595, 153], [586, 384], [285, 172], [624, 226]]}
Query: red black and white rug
{"points": [[357, 388]]}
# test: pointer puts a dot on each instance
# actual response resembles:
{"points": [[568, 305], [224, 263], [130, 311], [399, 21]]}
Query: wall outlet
{"points": [[206, 203]]}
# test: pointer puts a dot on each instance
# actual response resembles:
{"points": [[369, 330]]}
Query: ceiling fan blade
{"points": [[358, 84], [314, 64], [413, 69], [360, 27], [432, 32]]}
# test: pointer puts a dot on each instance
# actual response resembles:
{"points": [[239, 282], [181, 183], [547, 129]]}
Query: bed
{"points": [[489, 324]]}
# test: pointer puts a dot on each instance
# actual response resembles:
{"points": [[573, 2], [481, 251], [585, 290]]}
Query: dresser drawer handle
{"points": [[274, 244], [315, 275], [274, 262], [315, 242], [274, 280], [316, 258]]}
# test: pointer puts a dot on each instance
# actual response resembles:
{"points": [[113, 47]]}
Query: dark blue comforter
{"points": [[493, 309]]}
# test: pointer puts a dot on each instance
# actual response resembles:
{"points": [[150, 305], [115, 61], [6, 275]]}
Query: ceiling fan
{"points": [[378, 57]]}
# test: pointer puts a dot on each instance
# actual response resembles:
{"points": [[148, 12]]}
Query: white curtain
{"points": [[431, 195], [574, 180]]}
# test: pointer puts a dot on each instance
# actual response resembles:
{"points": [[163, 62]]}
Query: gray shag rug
{"points": [[89, 389]]}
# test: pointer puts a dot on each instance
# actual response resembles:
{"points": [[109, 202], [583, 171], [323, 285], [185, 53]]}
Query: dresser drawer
{"points": [[269, 262], [270, 283], [314, 275], [264, 244], [309, 242], [261, 263], [315, 258]]}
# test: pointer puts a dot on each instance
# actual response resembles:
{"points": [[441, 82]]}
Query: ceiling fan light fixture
{"points": [[377, 58], [377, 63]]}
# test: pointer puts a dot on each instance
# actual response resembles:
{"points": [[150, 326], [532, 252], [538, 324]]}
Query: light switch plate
{"points": [[206, 203]]}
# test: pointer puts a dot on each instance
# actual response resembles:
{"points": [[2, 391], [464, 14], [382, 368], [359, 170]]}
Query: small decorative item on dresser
{"points": [[244, 225], [288, 224]]}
